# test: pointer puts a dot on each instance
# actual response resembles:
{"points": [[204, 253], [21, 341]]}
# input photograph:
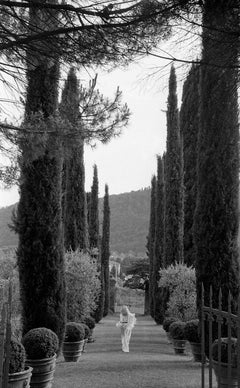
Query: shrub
{"points": [[86, 330], [224, 350], [40, 343], [176, 330], [17, 357], [83, 285], [192, 331], [180, 280], [74, 332], [167, 322], [89, 321]]}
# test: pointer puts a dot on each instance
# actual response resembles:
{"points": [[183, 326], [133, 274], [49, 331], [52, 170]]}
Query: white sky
{"points": [[128, 162]]}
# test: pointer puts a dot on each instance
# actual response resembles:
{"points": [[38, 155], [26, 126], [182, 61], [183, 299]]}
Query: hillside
{"points": [[129, 222]]}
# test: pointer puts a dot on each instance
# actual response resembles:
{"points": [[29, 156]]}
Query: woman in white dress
{"points": [[126, 323]]}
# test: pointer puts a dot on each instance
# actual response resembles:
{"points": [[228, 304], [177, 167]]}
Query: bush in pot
{"points": [[176, 330], [18, 374], [41, 345], [192, 335], [221, 366], [87, 334], [73, 341], [90, 322], [166, 324]]}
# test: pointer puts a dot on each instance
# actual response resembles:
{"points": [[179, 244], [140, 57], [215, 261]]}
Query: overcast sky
{"points": [[128, 162]]}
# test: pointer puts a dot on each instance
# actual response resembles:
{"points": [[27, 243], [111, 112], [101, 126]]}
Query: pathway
{"points": [[151, 362]]}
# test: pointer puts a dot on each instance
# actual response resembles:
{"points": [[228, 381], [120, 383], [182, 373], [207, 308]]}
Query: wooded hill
{"points": [[129, 222]]}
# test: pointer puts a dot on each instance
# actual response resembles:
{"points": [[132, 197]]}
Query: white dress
{"points": [[126, 324]]}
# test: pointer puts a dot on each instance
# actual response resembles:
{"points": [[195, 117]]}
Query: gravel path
{"points": [[151, 362]]}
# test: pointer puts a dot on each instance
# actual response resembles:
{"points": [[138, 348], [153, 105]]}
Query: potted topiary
{"points": [[220, 366], [176, 330], [87, 333], [90, 322], [166, 324], [18, 375], [192, 335], [73, 341], [41, 345]]}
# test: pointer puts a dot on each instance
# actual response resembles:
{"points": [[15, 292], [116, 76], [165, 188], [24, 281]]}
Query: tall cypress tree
{"points": [[158, 242], [217, 212], [93, 226], [105, 249], [173, 185], [150, 243], [40, 252], [189, 126], [75, 207]]}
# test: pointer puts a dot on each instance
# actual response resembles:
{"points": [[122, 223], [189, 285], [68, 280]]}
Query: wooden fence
{"points": [[220, 326], [5, 331]]}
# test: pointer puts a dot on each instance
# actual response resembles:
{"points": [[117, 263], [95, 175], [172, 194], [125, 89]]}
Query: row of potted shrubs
{"points": [[34, 358], [189, 331]]}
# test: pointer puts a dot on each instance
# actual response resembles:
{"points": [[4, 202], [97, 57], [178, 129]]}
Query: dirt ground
{"points": [[151, 362]]}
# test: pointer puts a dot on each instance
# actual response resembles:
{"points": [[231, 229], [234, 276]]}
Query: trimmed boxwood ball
{"points": [[74, 332], [17, 357], [40, 343], [191, 331], [89, 321], [87, 331], [176, 330], [167, 322]]}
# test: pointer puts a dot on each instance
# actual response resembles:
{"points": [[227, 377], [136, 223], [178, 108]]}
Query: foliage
{"points": [[176, 330], [167, 322], [74, 199], [216, 221], [180, 280], [89, 321], [105, 250], [40, 343], [189, 126], [173, 180], [74, 332], [150, 241], [17, 357], [93, 226], [83, 284], [158, 256], [192, 331], [87, 331], [224, 350]]}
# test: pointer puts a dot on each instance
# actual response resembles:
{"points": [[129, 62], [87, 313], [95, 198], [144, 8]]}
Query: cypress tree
{"points": [[105, 250], [216, 217], [173, 185], [150, 242], [40, 253], [158, 242], [189, 126], [93, 226], [75, 207]]}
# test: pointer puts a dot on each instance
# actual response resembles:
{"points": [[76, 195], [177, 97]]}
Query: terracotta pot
{"points": [[20, 379], [179, 346], [72, 350], [43, 372], [196, 351], [222, 380]]}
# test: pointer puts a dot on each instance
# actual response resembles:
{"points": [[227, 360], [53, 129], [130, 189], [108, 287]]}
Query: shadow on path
{"points": [[151, 362]]}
